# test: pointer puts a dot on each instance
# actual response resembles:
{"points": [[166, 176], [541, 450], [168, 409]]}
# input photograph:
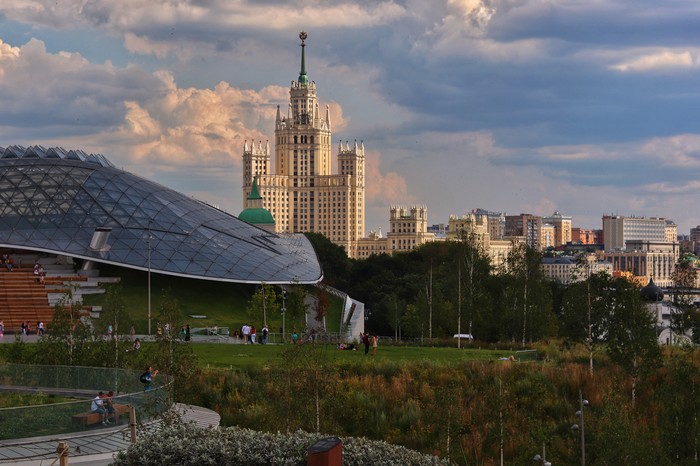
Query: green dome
{"points": [[257, 216]]}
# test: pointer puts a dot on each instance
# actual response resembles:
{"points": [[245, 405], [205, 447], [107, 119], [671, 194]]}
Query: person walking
{"points": [[365, 341], [265, 331], [374, 345]]}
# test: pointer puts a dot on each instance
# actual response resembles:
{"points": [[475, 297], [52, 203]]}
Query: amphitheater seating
{"points": [[23, 298]]}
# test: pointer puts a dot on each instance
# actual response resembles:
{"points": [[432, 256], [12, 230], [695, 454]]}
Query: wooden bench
{"points": [[90, 418]]}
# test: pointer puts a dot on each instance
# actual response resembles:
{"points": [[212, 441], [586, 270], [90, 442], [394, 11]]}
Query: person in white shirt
{"points": [[99, 407]]}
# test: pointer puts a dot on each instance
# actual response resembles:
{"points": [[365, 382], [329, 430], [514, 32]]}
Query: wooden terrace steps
{"points": [[23, 298]]}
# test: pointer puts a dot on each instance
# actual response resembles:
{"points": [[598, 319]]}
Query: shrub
{"points": [[185, 444]]}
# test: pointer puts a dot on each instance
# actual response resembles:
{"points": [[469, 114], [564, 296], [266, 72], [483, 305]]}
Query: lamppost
{"points": [[582, 403], [542, 459], [283, 311], [264, 305], [149, 277]]}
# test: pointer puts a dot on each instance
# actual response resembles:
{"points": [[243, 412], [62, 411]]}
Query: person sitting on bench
{"points": [[108, 404], [99, 407]]}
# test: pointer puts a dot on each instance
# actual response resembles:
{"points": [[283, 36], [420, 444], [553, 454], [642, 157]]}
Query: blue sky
{"points": [[583, 107]]}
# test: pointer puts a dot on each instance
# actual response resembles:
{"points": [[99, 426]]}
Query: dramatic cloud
{"points": [[509, 105]]}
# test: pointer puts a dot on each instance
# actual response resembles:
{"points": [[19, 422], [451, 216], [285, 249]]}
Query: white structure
{"points": [[618, 230]]}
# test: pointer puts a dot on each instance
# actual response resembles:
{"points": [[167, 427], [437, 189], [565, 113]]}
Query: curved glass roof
{"points": [[53, 200]]}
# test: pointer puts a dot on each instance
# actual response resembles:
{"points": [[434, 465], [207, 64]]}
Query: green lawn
{"points": [[223, 304], [238, 356]]}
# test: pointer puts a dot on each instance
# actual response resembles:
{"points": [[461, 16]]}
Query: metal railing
{"points": [[68, 383]]}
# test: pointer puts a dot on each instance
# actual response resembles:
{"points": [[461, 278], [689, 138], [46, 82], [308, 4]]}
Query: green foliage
{"points": [[263, 303], [70, 339], [587, 310], [465, 410], [679, 408], [321, 305], [114, 316], [224, 304], [333, 258], [685, 317], [631, 339], [295, 303], [186, 444]]}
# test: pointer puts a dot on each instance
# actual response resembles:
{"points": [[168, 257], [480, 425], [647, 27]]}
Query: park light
{"points": [[283, 311], [542, 459], [581, 428]]}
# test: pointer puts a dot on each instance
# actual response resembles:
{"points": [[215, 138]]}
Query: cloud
{"points": [[383, 188], [659, 61], [46, 95], [183, 28], [7, 53]]}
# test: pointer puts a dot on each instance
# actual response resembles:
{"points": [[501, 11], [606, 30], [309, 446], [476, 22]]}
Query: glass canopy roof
{"points": [[53, 200]]}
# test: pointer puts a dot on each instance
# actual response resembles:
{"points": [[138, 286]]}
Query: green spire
{"points": [[254, 192], [303, 79]]}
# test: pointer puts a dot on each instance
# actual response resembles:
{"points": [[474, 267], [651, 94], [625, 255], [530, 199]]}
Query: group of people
{"points": [[249, 334], [39, 273], [27, 328], [8, 262], [104, 405], [368, 340], [184, 334]]}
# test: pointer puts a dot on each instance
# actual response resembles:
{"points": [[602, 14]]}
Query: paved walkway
{"points": [[94, 448]]}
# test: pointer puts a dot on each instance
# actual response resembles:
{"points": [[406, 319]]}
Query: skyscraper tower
{"points": [[303, 194]]}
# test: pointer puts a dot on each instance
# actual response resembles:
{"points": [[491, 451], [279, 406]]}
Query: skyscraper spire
{"points": [[303, 79]]}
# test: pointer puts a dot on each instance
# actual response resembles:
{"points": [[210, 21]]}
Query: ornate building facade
{"points": [[302, 194], [408, 229]]}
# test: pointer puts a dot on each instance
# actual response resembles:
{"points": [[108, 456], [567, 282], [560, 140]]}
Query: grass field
{"points": [[243, 357]]}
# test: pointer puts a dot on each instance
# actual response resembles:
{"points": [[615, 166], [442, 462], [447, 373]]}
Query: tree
{"points": [[70, 339], [632, 341], [296, 306], [586, 310], [525, 294], [475, 269], [684, 315], [321, 305], [169, 355], [263, 301], [334, 260], [411, 322], [114, 313], [679, 407]]}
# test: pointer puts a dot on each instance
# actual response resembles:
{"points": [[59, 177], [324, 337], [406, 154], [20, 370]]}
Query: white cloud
{"points": [[658, 61], [7, 53], [388, 188], [679, 151]]}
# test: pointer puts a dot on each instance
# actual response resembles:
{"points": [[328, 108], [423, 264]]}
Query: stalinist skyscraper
{"points": [[302, 194]]}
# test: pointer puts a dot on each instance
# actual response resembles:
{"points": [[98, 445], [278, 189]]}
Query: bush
{"points": [[186, 444]]}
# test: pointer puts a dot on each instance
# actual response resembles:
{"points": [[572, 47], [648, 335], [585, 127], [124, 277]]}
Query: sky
{"points": [[585, 107]]}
